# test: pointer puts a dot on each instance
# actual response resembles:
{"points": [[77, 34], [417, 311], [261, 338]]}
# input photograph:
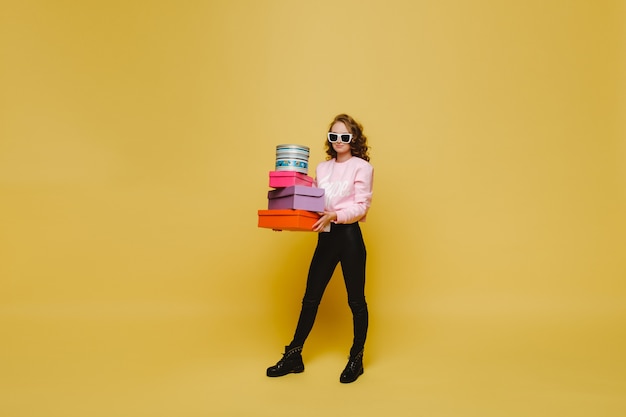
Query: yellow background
{"points": [[136, 139]]}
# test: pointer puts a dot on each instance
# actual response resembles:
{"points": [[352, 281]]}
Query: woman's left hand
{"points": [[324, 220]]}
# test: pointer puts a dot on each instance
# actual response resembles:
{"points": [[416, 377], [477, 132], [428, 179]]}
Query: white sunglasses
{"points": [[339, 137]]}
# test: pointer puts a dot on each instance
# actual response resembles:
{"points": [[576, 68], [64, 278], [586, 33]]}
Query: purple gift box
{"points": [[298, 197]]}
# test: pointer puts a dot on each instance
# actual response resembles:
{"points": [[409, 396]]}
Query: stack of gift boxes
{"points": [[294, 202]]}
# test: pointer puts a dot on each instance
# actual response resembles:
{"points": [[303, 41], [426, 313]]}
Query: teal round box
{"points": [[291, 157]]}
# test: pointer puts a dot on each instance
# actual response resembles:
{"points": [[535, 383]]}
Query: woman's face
{"points": [[342, 149]]}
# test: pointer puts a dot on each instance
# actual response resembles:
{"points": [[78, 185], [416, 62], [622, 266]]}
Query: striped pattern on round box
{"points": [[291, 157]]}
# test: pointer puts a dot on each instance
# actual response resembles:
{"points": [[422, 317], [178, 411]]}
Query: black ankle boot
{"points": [[353, 369], [290, 363]]}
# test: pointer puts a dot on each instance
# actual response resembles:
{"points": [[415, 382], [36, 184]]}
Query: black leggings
{"points": [[343, 244]]}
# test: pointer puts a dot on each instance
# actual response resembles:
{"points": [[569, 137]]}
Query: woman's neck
{"points": [[343, 157]]}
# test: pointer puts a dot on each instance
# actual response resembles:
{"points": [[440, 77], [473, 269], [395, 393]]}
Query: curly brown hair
{"points": [[358, 146]]}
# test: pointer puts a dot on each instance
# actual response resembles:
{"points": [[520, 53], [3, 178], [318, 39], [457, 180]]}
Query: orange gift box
{"points": [[288, 219]]}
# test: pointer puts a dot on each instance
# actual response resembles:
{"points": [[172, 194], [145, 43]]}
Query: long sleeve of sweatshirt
{"points": [[347, 188]]}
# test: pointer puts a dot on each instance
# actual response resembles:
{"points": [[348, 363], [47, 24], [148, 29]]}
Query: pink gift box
{"points": [[281, 179], [298, 197]]}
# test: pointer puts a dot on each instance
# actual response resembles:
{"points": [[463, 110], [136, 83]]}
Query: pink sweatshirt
{"points": [[347, 188]]}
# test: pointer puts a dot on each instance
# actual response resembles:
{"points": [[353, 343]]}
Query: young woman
{"points": [[346, 177]]}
